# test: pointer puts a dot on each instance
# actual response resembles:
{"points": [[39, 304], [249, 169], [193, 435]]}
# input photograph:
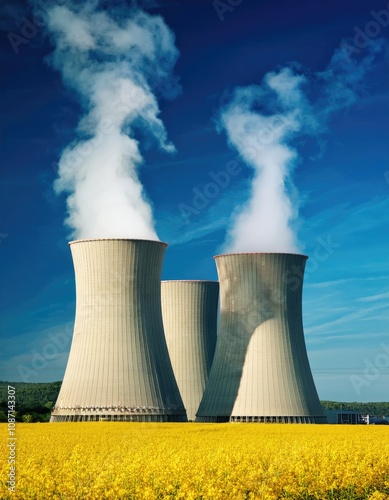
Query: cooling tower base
{"points": [[118, 418], [265, 420]]}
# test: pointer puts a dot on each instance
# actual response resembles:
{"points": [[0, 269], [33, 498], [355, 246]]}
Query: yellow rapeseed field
{"points": [[109, 460]]}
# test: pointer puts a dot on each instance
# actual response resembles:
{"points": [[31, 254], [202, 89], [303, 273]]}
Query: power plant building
{"points": [[119, 366], [189, 311], [260, 371]]}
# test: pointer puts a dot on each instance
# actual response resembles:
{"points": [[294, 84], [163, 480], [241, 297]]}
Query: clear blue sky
{"points": [[343, 181]]}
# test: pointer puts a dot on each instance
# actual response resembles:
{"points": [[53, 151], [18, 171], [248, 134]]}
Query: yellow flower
{"points": [[93, 461]]}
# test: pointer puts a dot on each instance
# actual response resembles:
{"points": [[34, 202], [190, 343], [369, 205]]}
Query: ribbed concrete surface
{"points": [[261, 370], [119, 367], [189, 312]]}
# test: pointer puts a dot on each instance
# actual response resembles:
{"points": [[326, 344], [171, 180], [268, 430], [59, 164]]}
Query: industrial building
{"points": [[344, 417], [189, 312], [118, 367], [137, 355], [260, 371]]}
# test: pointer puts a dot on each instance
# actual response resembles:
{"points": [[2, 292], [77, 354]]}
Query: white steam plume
{"points": [[262, 122], [114, 59]]}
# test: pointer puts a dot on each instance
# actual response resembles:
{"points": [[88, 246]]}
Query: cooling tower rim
{"points": [[260, 253], [189, 281], [115, 239]]}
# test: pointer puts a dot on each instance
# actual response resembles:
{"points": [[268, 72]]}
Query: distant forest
{"points": [[372, 409], [34, 402]]}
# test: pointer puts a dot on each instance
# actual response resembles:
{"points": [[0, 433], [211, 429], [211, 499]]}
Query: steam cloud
{"points": [[113, 59], [262, 122]]}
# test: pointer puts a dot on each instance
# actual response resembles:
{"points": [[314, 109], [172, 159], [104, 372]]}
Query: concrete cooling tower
{"points": [[189, 311], [119, 366], [260, 371]]}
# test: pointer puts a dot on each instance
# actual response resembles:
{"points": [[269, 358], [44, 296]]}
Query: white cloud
{"points": [[373, 298], [116, 61]]}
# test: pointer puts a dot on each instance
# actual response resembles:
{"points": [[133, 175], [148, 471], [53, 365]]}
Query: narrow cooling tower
{"points": [[260, 371], [189, 311], [119, 366]]}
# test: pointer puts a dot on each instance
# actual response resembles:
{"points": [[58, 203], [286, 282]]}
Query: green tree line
{"points": [[379, 409], [34, 402]]}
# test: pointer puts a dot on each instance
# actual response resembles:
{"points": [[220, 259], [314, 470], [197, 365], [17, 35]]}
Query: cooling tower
{"points": [[260, 371], [119, 366], [189, 312]]}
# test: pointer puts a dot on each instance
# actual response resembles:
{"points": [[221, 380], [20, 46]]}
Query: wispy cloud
{"points": [[358, 339], [327, 284], [374, 298], [213, 217], [349, 219], [198, 231], [347, 318]]}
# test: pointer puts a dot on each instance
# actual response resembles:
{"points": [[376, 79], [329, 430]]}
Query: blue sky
{"points": [[342, 181]]}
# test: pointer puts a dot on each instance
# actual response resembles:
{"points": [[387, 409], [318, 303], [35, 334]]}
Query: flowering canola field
{"points": [[108, 460]]}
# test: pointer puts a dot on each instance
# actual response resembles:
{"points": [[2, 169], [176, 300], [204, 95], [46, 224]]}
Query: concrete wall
{"points": [[189, 311], [119, 367], [260, 370]]}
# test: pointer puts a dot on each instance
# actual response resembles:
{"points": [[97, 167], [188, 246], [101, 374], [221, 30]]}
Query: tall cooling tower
{"points": [[119, 366], [189, 311], [261, 371]]}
